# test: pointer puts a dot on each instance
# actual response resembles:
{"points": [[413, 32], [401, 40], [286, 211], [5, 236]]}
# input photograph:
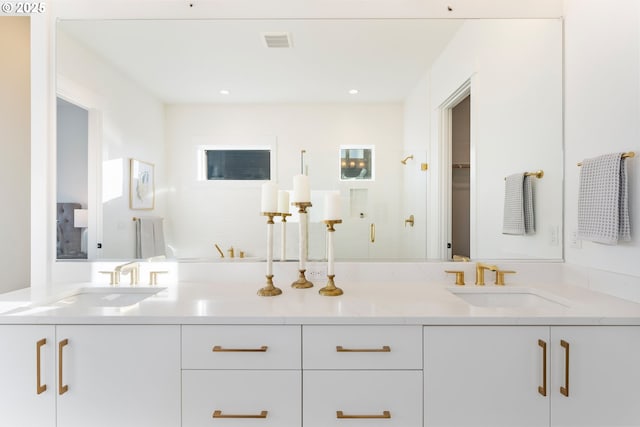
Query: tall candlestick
{"points": [[283, 241], [269, 290], [269, 200], [301, 191], [330, 289], [302, 281]]}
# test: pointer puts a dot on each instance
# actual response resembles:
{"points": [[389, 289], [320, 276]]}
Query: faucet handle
{"points": [[500, 276], [459, 276], [153, 277], [112, 277]]}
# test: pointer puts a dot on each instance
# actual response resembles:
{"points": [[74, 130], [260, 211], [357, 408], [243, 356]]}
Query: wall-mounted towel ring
{"points": [[624, 156]]}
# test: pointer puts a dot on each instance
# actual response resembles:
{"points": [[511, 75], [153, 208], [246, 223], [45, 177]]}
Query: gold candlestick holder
{"points": [[330, 289], [269, 290], [302, 282]]}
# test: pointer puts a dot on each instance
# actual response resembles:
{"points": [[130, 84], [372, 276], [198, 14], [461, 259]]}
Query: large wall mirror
{"points": [[162, 92]]}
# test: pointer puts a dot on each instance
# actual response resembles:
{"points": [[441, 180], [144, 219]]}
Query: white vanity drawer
{"points": [[362, 347], [241, 398], [362, 398], [240, 347]]}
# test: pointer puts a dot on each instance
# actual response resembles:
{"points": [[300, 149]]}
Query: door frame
{"points": [[82, 98]]}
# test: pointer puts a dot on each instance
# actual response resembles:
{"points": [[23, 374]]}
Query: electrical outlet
{"points": [[315, 271], [574, 241], [554, 239]]}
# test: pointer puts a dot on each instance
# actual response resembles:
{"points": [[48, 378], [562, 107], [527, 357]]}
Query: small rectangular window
{"points": [[356, 162], [238, 165]]}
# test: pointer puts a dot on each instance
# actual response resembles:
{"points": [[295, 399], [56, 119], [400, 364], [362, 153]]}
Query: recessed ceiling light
{"points": [[224, 92], [353, 91]]}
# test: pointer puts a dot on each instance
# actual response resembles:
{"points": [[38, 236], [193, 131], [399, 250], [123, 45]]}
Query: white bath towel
{"points": [[149, 237], [603, 211], [519, 213]]}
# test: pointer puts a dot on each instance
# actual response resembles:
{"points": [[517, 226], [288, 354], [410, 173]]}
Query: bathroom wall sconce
{"points": [[404, 161]]}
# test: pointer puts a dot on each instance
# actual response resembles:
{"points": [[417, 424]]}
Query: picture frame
{"points": [[141, 185]]}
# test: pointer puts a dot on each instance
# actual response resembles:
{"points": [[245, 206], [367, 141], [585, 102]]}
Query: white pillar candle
{"points": [[332, 206], [283, 201], [269, 202], [301, 191]]}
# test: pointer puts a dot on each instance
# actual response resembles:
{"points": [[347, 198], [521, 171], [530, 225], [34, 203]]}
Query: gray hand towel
{"points": [[603, 201], [519, 214]]}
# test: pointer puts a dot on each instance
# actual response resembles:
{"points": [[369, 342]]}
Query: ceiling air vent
{"points": [[273, 40]]}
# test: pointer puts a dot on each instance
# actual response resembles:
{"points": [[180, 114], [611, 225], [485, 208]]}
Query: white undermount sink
{"points": [[507, 298], [107, 297]]}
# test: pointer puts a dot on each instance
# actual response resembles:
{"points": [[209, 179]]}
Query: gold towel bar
{"points": [[538, 174], [135, 218], [624, 156]]}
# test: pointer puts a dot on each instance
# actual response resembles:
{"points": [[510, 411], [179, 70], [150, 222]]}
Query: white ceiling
{"points": [[190, 61]]}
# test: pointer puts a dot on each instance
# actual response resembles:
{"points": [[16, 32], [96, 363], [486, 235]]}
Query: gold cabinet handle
{"points": [[62, 389], [372, 232], [543, 388], [565, 390], [218, 414], [383, 349], [218, 348], [342, 415], [40, 388]]}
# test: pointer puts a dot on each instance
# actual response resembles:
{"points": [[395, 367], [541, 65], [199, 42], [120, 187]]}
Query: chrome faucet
{"points": [[132, 268], [480, 268]]}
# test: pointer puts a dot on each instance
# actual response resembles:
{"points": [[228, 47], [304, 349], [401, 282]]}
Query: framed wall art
{"points": [[141, 185]]}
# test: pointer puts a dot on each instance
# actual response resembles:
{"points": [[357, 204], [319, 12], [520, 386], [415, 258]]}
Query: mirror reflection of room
{"points": [[165, 106]]}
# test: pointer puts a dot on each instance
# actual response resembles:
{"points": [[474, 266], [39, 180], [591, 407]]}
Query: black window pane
{"points": [[254, 165]]}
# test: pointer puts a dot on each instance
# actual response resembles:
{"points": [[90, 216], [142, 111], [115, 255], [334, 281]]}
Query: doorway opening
{"points": [[461, 179], [72, 173]]}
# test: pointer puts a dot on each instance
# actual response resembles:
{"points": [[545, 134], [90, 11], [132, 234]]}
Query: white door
{"points": [[603, 384], [27, 376], [118, 375], [486, 376]]}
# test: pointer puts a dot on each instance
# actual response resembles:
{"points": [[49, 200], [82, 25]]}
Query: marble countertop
{"points": [[406, 303]]}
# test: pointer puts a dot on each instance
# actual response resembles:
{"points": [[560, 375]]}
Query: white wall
{"points": [[602, 114], [516, 112], [15, 162], [417, 183], [130, 124], [227, 213]]}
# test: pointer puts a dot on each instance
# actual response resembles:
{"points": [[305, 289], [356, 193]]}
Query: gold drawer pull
{"points": [[384, 349], [565, 390], [218, 348], [62, 389], [341, 415], [40, 388], [218, 414], [543, 388]]}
